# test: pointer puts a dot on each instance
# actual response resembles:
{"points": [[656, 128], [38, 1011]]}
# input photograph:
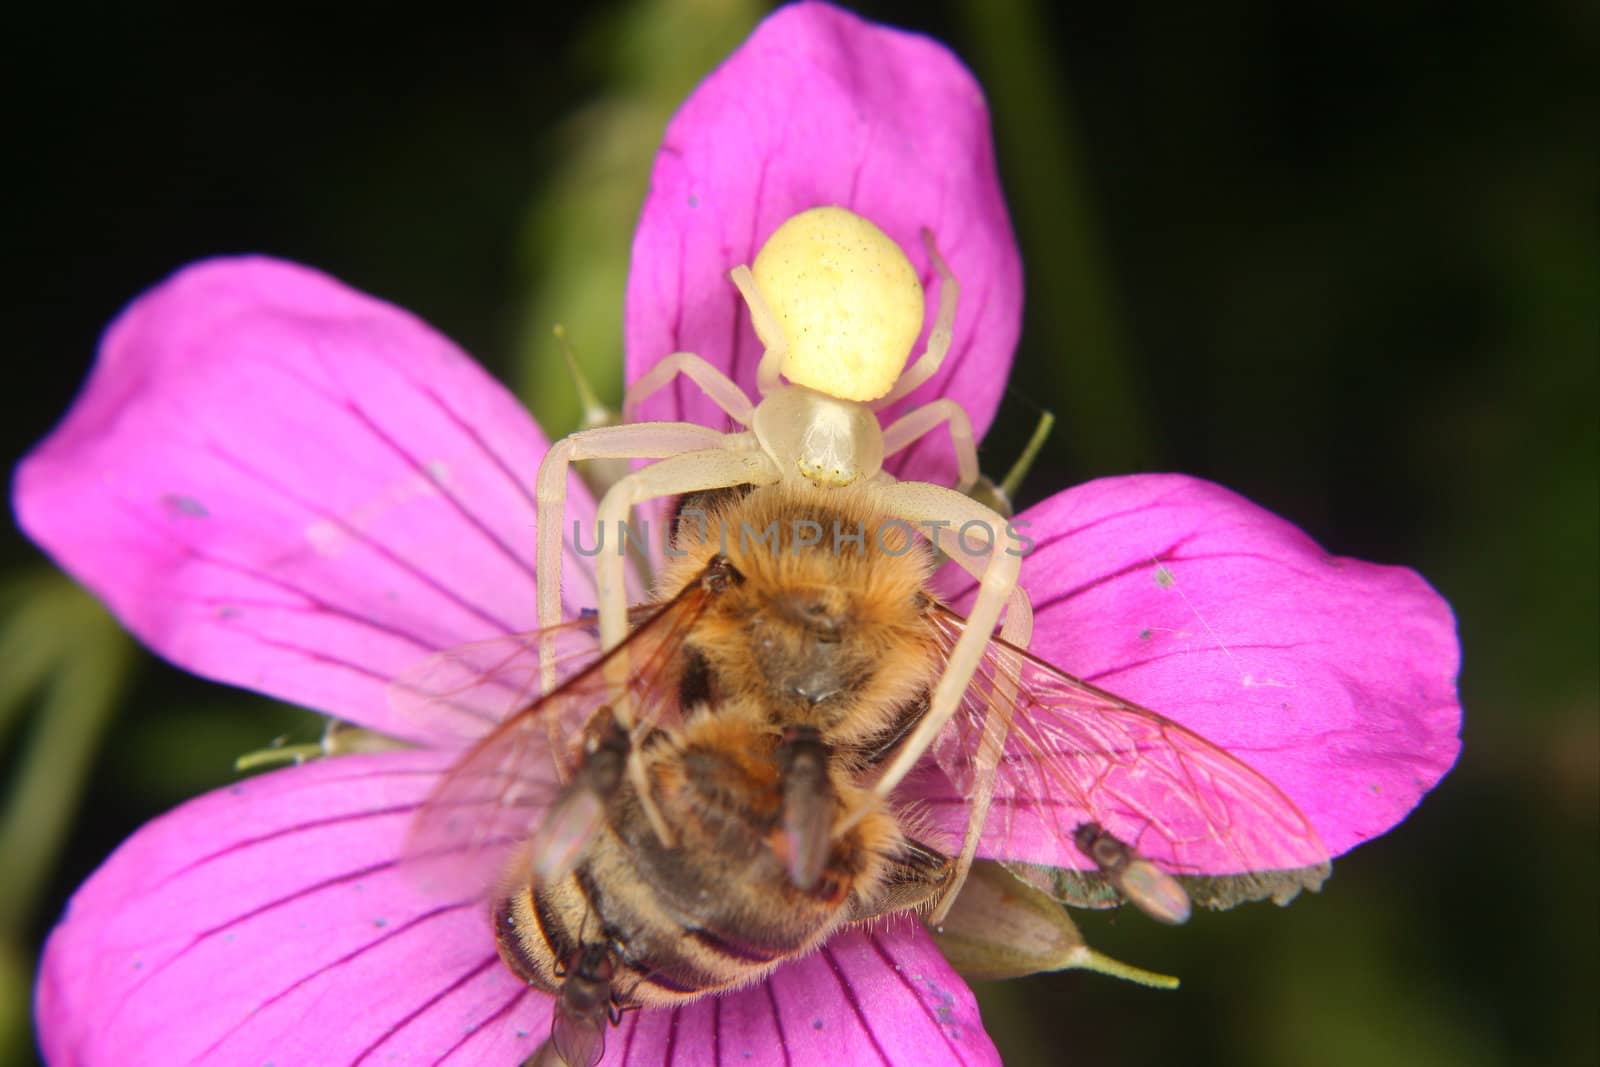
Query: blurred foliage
{"points": [[578, 237], [65, 663], [59, 643], [1343, 259], [1104, 423]]}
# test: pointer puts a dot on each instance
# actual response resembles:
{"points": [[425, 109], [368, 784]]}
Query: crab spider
{"points": [[837, 306]]}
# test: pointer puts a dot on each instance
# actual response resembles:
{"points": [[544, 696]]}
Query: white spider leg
{"points": [[991, 746], [932, 506], [939, 338], [919, 502], [776, 350], [920, 421], [1018, 630], [717, 387], [1018, 625], [738, 462], [648, 440]]}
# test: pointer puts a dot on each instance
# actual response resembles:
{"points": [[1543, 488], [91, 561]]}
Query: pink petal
{"points": [[819, 107], [270, 923], [880, 996], [279, 482], [1333, 678]]}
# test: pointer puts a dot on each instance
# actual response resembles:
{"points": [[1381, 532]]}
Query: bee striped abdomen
{"points": [[718, 908]]}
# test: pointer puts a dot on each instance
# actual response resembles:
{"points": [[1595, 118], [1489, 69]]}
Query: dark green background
{"points": [[1342, 259]]}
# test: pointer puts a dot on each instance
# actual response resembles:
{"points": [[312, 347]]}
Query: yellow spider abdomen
{"points": [[847, 300]]}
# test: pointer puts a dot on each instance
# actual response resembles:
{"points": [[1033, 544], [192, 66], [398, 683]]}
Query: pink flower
{"points": [[284, 484]]}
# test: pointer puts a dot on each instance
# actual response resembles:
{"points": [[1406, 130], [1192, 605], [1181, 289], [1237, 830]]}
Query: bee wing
{"points": [[1077, 754], [454, 697], [497, 794]]}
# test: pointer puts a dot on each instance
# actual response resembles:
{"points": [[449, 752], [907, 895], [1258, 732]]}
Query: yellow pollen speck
{"points": [[847, 299]]}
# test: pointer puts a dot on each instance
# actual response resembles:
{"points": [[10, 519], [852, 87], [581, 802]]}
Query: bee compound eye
{"points": [[720, 574]]}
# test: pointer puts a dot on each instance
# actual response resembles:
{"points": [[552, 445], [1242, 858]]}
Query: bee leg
{"points": [[916, 875], [808, 802], [718, 387]]}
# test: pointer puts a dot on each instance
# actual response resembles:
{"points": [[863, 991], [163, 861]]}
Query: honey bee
{"points": [[768, 687], [669, 801]]}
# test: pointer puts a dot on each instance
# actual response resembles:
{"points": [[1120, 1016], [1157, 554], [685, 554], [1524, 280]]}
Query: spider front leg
{"points": [[921, 421], [934, 506], [738, 462], [647, 440], [1018, 629], [718, 387]]}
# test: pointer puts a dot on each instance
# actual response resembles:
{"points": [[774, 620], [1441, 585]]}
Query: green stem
{"points": [[1019, 470], [1087, 959]]}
